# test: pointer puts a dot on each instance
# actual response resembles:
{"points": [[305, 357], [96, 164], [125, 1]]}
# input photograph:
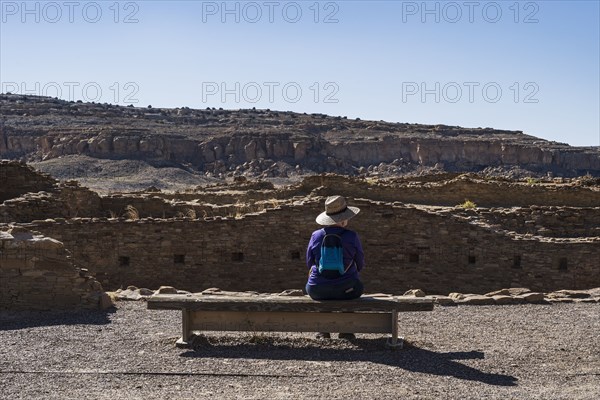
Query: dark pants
{"points": [[352, 289]]}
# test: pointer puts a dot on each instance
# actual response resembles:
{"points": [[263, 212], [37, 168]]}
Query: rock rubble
{"points": [[507, 296]]}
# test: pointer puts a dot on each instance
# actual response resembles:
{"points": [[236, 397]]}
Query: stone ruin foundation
{"points": [[36, 273], [252, 237]]}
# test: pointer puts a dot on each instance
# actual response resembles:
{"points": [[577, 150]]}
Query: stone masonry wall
{"points": [[37, 274], [455, 191], [27, 194], [68, 201], [446, 192], [406, 247], [558, 222], [17, 179]]}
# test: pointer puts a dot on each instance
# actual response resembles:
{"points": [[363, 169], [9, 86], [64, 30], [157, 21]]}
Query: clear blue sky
{"points": [[527, 65]]}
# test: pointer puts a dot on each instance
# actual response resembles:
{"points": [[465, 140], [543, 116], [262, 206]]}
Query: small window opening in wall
{"points": [[563, 264], [237, 256], [295, 255], [123, 261], [472, 259], [179, 258], [516, 262], [413, 258]]}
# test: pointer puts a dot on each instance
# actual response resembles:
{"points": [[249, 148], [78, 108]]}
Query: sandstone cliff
{"points": [[233, 142]]}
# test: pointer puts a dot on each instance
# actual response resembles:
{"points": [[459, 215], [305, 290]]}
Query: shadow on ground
{"points": [[411, 358], [13, 320]]}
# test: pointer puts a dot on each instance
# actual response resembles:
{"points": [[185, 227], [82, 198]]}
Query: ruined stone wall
{"points": [[149, 205], [27, 195], [17, 179], [227, 200], [30, 195], [405, 247], [37, 274], [557, 222], [31, 206], [78, 201], [452, 192], [67, 201]]}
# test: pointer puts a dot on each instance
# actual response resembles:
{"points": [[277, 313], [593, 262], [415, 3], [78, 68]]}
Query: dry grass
{"points": [[131, 213], [187, 213], [191, 213]]}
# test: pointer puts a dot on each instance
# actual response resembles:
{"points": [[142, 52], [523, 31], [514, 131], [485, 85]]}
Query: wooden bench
{"points": [[288, 314]]}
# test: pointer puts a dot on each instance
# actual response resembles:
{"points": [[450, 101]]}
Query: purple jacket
{"points": [[353, 254]]}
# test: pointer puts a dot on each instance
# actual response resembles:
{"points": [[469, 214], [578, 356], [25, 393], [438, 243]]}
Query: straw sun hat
{"points": [[336, 210]]}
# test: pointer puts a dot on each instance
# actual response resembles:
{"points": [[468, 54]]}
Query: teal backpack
{"points": [[331, 264]]}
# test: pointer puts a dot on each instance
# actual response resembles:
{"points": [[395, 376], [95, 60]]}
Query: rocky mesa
{"points": [[224, 143]]}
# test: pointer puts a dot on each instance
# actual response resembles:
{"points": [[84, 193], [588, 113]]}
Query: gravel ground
{"points": [[466, 352]]}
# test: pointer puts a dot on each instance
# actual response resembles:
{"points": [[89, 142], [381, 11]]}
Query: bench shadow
{"points": [[15, 320], [410, 358]]}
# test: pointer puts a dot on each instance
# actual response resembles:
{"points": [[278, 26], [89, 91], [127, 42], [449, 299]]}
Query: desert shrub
{"points": [[467, 204]]}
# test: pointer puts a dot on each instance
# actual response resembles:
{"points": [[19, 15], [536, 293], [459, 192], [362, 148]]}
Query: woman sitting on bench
{"points": [[335, 257]]}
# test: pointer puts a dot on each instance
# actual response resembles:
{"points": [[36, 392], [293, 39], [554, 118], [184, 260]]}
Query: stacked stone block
{"points": [[17, 179], [405, 247], [37, 274]]}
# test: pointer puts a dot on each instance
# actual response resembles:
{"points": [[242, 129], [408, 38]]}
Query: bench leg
{"points": [[185, 329], [393, 342]]}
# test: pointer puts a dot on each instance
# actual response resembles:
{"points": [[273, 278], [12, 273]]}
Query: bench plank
{"points": [[286, 303], [274, 321], [288, 314]]}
